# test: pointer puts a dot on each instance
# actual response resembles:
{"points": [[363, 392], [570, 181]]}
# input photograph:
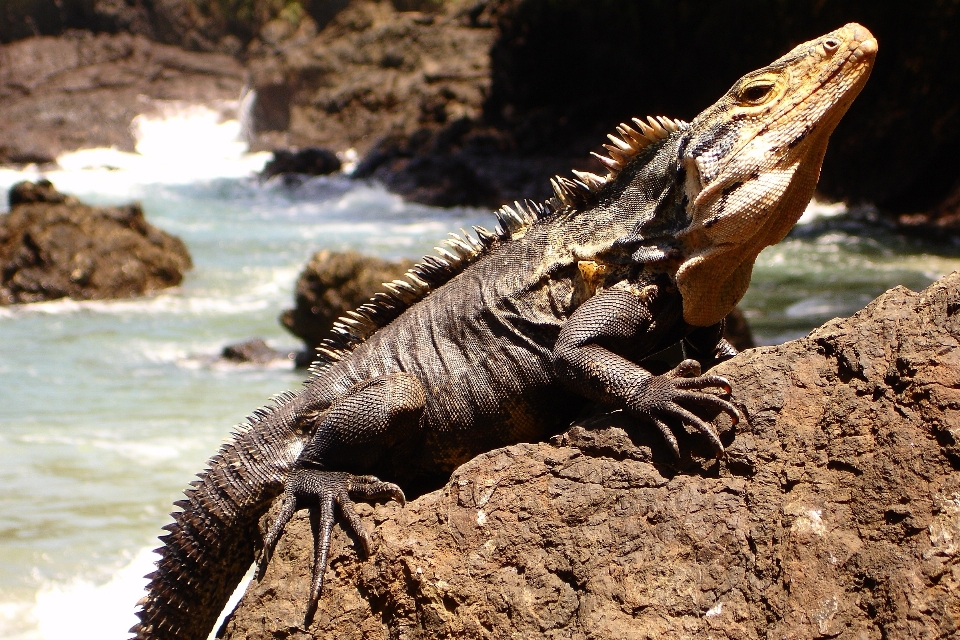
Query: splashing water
{"points": [[177, 144]]}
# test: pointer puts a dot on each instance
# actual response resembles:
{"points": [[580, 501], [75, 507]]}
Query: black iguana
{"points": [[502, 337]]}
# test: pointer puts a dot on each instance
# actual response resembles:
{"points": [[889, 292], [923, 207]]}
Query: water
{"points": [[110, 407]]}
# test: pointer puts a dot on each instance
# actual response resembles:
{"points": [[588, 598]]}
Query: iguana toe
{"points": [[324, 492]]}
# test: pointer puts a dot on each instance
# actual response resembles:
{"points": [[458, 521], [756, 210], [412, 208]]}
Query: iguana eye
{"points": [[756, 93], [830, 45]]}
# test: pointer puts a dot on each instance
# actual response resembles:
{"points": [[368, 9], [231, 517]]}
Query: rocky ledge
{"points": [[52, 246], [835, 514]]}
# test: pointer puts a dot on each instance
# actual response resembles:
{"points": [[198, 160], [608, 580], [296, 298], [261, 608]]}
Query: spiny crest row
{"points": [[228, 452], [576, 193], [513, 221], [431, 272]]}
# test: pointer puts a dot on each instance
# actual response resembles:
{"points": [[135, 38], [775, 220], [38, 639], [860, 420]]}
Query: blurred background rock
{"points": [[477, 102]]}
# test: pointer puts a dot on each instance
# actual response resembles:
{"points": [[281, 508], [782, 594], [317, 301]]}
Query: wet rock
{"points": [[254, 351], [370, 71], [313, 161], [83, 90], [332, 284], [941, 222], [835, 514], [40, 191], [52, 246]]}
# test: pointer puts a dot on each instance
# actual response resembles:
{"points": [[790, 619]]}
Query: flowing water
{"points": [[108, 408]]}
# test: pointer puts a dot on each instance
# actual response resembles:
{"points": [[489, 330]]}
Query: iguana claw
{"points": [[320, 491], [684, 384]]}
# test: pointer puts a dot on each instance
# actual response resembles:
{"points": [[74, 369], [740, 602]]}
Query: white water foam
{"points": [[83, 610], [80, 609], [817, 209]]}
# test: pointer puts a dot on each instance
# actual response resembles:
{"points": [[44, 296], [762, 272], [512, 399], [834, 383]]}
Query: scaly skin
{"points": [[503, 338]]}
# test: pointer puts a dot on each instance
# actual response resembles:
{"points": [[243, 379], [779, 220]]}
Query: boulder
{"points": [[253, 351], [52, 246], [313, 161], [332, 284], [836, 513]]}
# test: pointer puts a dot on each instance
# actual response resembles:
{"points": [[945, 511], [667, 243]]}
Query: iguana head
{"points": [[751, 161]]}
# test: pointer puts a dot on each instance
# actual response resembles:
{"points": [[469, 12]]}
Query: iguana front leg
{"points": [[357, 430], [622, 320]]}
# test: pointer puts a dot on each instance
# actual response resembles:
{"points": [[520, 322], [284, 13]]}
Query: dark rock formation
{"points": [[480, 101], [51, 246], [331, 284], [40, 191], [943, 221], [531, 86], [835, 514], [253, 351], [737, 331], [312, 161], [81, 90], [370, 71]]}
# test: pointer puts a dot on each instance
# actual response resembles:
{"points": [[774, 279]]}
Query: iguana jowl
{"points": [[503, 336]]}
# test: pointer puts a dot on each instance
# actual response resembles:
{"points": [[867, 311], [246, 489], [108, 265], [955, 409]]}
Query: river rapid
{"points": [[107, 409]]}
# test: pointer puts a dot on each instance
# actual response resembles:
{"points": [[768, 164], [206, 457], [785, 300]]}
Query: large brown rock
{"points": [[331, 284], [52, 246], [835, 514], [83, 90]]}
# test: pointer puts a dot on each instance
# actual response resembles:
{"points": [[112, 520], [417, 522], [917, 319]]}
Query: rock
{"points": [[52, 247], [332, 284], [941, 222], [370, 71], [42, 191], [253, 351], [835, 514], [83, 90], [313, 161], [737, 330]]}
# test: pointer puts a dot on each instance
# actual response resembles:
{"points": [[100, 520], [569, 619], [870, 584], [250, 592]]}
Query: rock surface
{"points": [[329, 286], [52, 246], [83, 90], [836, 514], [254, 351], [313, 161]]}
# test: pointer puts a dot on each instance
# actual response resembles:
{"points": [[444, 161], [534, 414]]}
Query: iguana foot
{"points": [[321, 491], [684, 384]]}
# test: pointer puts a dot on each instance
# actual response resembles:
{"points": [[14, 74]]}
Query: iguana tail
{"points": [[210, 544]]}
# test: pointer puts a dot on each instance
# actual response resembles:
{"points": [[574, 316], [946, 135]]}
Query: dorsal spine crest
{"points": [[460, 250]]}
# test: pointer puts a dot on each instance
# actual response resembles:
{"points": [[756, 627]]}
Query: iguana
{"points": [[504, 335]]}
